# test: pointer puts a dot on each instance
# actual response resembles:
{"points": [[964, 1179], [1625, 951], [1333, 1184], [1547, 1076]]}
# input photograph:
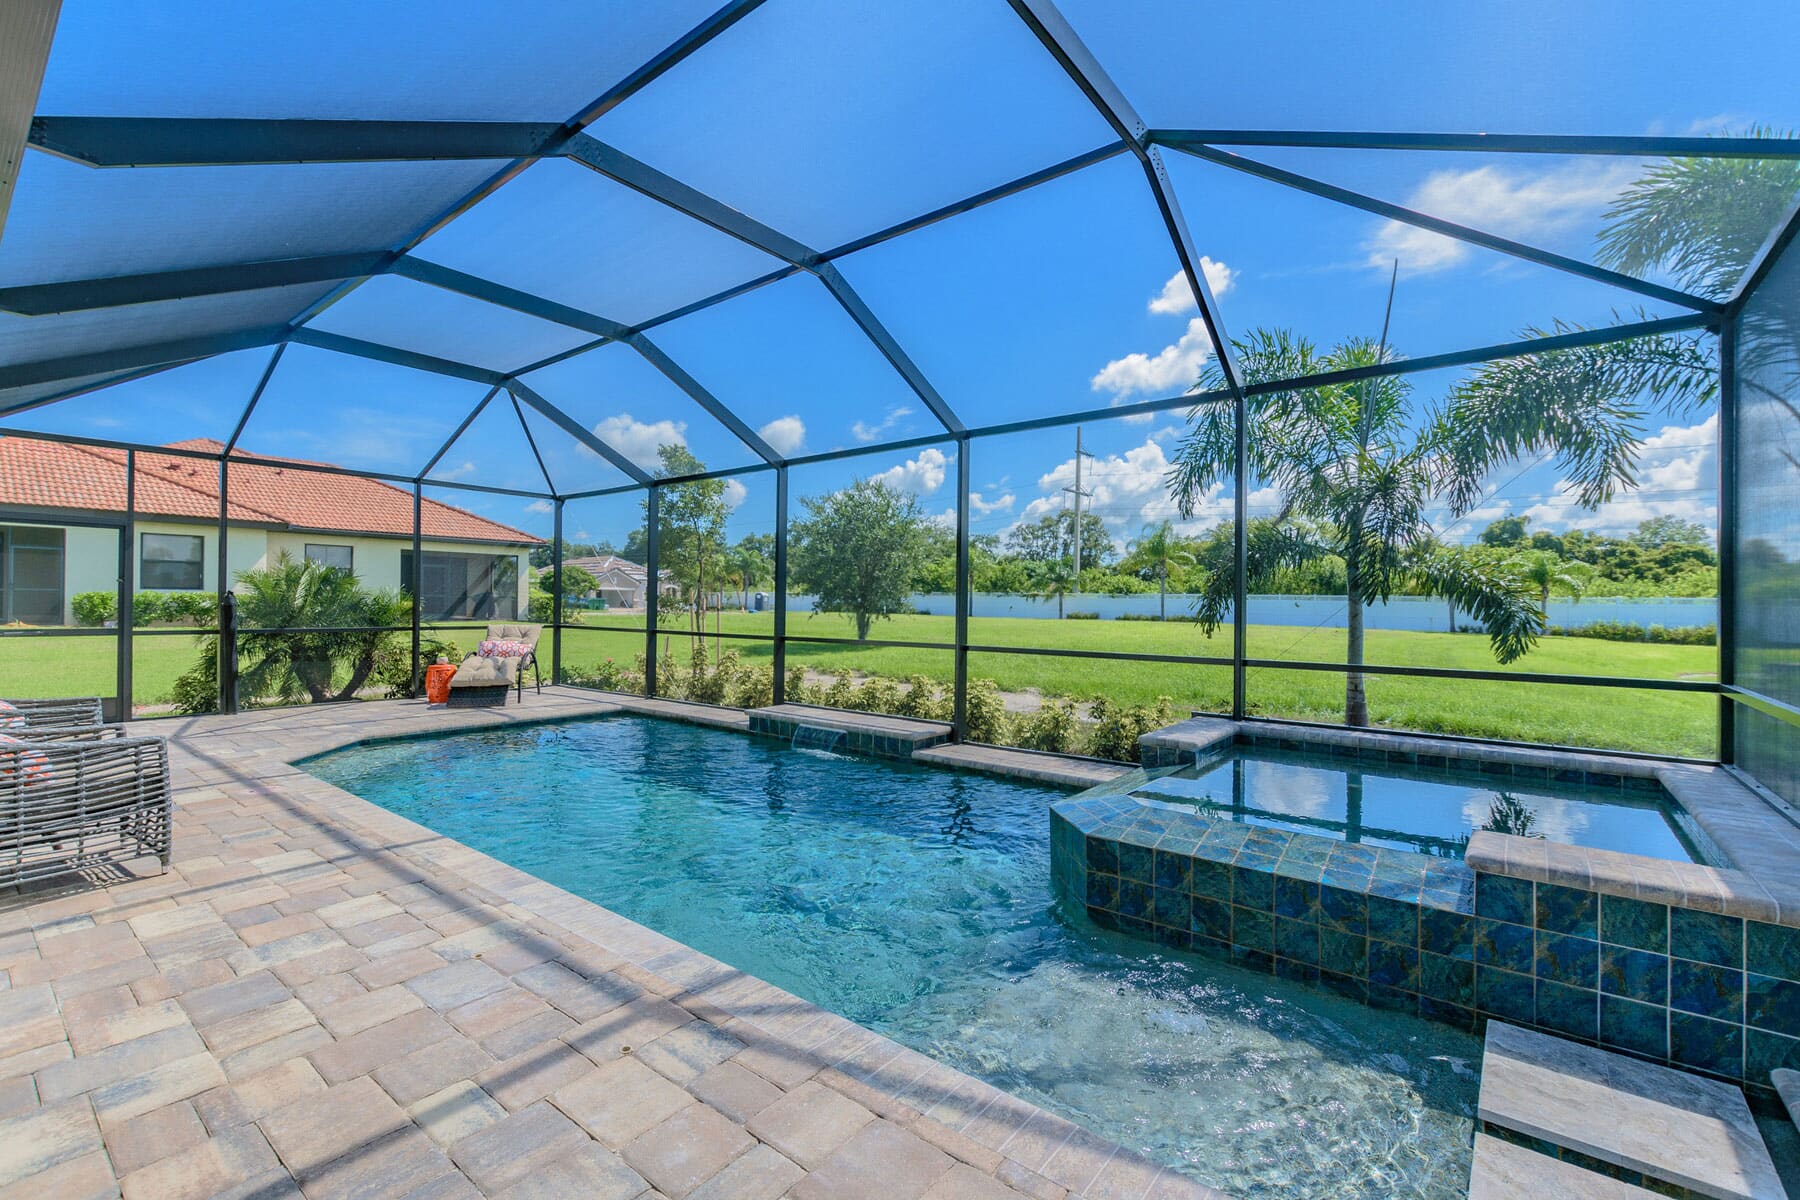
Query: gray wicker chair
{"points": [[79, 796], [51, 714]]}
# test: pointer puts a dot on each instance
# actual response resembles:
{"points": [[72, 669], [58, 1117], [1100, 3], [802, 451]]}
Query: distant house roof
{"points": [[263, 491]]}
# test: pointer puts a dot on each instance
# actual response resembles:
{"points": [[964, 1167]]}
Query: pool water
{"points": [[1431, 811], [918, 902]]}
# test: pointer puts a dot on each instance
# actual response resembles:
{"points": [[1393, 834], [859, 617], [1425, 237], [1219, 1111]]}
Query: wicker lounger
{"points": [[54, 714], [79, 796]]}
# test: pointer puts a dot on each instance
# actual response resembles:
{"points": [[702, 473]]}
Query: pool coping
{"points": [[789, 1040]]}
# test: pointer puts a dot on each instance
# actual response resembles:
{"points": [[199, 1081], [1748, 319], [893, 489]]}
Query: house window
{"points": [[31, 575], [173, 562], [326, 554], [464, 586]]}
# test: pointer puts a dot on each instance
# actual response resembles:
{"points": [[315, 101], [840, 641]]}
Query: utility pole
{"points": [[1078, 492]]}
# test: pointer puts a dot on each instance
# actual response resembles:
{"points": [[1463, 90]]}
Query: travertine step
{"points": [[1787, 1085], [1668, 1126], [1503, 1171]]}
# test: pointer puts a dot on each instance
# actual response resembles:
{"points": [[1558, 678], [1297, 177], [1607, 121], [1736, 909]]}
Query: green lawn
{"points": [[1662, 722]]}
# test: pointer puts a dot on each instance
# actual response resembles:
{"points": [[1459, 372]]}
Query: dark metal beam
{"points": [[654, 355], [237, 431], [131, 358], [1778, 240], [576, 430], [1451, 229], [641, 177], [42, 299], [458, 432], [1051, 29], [499, 294], [224, 141], [525, 428], [322, 340], [1490, 143]]}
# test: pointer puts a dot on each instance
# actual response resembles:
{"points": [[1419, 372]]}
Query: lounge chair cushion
{"points": [[501, 631], [503, 648], [10, 717], [21, 759], [486, 672]]}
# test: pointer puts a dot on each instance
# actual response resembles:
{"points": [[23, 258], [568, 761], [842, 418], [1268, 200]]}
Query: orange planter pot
{"points": [[437, 682]]}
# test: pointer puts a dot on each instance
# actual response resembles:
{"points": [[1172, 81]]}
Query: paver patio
{"points": [[321, 998]]}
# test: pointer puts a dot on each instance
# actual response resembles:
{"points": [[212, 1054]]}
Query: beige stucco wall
{"points": [[91, 555]]}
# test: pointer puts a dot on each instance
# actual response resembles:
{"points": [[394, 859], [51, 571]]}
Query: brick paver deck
{"points": [[321, 998]]}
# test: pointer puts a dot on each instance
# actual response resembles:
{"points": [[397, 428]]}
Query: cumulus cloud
{"points": [[1172, 369], [864, 432], [456, 472], [734, 493], [921, 476], [1523, 204], [1678, 476], [1177, 297], [638, 440], [981, 506], [540, 506], [785, 435]]}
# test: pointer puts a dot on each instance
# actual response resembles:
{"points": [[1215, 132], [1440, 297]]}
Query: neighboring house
{"points": [[620, 581], [62, 507]]}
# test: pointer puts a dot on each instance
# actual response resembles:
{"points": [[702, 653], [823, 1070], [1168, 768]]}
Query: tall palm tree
{"points": [[1546, 572], [1355, 481], [1053, 578], [1155, 548], [748, 567]]}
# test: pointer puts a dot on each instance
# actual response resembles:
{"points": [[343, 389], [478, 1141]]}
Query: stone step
{"points": [[1503, 1171], [1673, 1129], [1787, 1085]]}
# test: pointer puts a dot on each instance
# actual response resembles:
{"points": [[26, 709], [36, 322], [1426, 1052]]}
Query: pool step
{"points": [[1580, 1106], [1503, 1170]]}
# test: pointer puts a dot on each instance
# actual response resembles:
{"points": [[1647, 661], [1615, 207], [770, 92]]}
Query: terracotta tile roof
{"points": [[264, 491]]}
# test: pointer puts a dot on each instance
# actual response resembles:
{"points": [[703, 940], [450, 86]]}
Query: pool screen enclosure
{"points": [[222, 225]]}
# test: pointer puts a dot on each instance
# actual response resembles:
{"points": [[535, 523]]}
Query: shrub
{"points": [[1625, 631], [1117, 728], [986, 712], [196, 690], [1055, 726], [841, 692], [878, 695], [541, 607], [1081, 616], [795, 686], [921, 701], [148, 607], [752, 686], [94, 608], [202, 608]]}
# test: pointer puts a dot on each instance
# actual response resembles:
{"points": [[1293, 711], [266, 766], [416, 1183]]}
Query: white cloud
{"points": [[1170, 370], [1526, 205], [1678, 476], [981, 506], [1177, 297], [785, 435], [921, 476], [457, 472], [638, 440], [734, 493], [540, 506], [864, 432]]}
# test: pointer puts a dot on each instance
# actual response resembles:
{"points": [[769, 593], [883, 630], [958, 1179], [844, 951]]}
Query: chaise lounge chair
{"points": [[48, 714], [497, 666], [75, 796]]}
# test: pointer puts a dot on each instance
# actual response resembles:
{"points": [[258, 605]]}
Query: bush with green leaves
{"points": [[985, 712], [147, 608], [94, 608], [1055, 726], [1118, 727]]}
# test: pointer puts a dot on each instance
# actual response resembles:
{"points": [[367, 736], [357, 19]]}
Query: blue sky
{"points": [[830, 120]]}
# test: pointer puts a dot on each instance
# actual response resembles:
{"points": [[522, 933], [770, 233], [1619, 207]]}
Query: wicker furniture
{"points": [[76, 796], [483, 681], [50, 714]]}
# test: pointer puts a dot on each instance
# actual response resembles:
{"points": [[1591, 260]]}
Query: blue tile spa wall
{"points": [[1402, 930]]}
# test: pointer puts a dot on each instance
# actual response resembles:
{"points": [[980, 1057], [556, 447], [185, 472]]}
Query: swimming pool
{"points": [[918, 902], [1430, 810]]}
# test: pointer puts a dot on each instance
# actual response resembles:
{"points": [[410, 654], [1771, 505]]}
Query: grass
{"points": [[1660, 722]]}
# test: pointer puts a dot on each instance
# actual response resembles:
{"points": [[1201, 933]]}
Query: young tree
{"points": [[856, 550], [1547, 573], [691, 529], [1354, 481], [1155, 548], [1053, 578], [747, 566], [1053, 536], [575, 581]]}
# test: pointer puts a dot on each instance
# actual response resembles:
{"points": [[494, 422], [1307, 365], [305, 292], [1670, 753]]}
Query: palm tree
{"points": [[1355, 482], [1547, 573], [1053, 578], [748, 567], [331, 629], [1156, 547]]}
